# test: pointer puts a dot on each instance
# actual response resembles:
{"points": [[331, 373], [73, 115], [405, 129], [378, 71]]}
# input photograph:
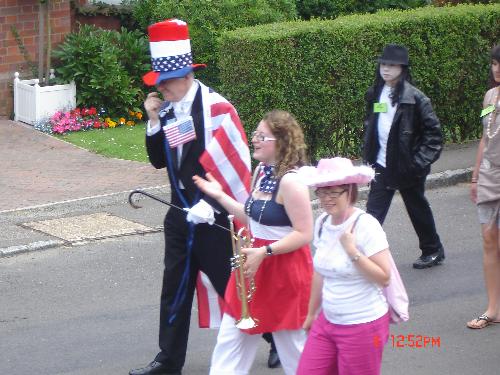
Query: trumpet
{"points": [[245, 292]]}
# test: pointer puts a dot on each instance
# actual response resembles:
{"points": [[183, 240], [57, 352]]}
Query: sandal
{"points": [[480, 322]]}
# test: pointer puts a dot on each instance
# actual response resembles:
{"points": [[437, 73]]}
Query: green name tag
{"points": [[487, 110], [380, 107]]}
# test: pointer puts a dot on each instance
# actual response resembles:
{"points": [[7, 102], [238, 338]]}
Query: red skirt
{"points": [[281, 298]]}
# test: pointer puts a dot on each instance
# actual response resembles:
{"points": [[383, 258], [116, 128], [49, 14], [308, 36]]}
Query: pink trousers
{"points": [[335, 349]]}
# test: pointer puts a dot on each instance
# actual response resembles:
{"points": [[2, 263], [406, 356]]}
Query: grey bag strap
{"points": [[320, 231]]}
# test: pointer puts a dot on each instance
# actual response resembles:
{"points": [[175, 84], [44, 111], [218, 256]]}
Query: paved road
{"points": [[41, 170], [45, 178], [87, 307], [93, 308]]}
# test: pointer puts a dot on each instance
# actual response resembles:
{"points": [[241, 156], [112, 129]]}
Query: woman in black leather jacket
{"points": [[402, 139]]}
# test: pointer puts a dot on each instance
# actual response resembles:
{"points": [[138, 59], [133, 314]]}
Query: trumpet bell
{"points": [[246, 323], [245, 292]]}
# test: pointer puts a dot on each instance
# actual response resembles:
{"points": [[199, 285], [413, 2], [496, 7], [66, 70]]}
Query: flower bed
{"points": [[81, 119]]}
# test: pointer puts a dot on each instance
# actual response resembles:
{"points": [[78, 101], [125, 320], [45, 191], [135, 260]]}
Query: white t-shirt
{"points": [[384, 123], [347, 296]]}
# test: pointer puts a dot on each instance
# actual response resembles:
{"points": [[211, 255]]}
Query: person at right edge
{"points": [[485, 192], [402, 139]]}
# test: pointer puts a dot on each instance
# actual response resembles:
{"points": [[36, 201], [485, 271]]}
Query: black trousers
{"points": [[211, 254], [417, 206]]}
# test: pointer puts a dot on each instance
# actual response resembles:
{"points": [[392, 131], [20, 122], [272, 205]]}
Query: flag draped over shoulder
{"points": [[227, 158]]}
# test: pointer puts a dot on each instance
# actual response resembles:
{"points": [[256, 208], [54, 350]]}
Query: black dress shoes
{"points": [[429, 260], [274, 360], [154, 368]]}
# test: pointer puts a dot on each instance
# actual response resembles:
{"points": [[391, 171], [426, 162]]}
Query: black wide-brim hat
{"points": [[394, 54]]}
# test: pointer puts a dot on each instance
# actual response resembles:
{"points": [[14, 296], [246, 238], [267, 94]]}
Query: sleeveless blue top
{"points": [[267, 212]]}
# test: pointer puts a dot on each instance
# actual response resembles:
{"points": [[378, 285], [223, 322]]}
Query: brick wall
{"points": [[23, 15], [101, 21]]}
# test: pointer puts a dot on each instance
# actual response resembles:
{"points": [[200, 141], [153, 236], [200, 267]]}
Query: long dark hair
{"points": [[494, 55], [398, 89]]}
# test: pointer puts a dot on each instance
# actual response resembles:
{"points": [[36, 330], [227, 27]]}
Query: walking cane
{"points": [[156, 198]]}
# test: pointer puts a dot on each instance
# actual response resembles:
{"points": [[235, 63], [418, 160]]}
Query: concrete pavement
{"points": [[38, 169], [44, 179]]}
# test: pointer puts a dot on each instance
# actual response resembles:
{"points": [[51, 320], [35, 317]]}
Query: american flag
{"points": [[227, 158], [180, 132], [210, 304]]}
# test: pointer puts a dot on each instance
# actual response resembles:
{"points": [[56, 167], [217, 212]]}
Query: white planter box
{"points": [[33, 103]]}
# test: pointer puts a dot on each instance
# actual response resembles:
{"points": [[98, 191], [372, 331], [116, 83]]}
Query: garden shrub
{"points": [[208, 19], [320, 70], [107, 67], [143, 12]]}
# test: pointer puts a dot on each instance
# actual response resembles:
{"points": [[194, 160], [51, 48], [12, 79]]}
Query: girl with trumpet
{"points": [[278, 214]]}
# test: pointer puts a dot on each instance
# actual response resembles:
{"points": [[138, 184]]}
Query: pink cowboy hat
{"points": [[336, 171]]}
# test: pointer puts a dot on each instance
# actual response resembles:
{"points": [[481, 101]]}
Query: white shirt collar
{"points": [[183, 106]]}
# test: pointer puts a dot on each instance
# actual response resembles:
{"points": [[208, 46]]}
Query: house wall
{"points": [[101, 21], [23, 15]]}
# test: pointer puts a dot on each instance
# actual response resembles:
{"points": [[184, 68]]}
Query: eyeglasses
{"points": [[261, 137], [329, 193]]}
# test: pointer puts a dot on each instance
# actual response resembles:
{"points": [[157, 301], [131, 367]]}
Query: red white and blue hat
{"points": [[170, 48]]}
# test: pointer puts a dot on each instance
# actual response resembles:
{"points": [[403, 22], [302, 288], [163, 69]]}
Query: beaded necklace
{"points": [[250, 204], [493, 117], [268, 184]]}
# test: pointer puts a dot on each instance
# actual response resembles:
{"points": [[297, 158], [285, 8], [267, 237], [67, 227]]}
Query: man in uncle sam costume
{"points": [[192, 130]]}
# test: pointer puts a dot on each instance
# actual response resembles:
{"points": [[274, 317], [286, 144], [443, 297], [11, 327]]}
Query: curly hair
{"points": [[290, 144]]}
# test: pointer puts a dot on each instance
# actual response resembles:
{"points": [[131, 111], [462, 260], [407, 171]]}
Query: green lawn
{"points": [[124, 142]]}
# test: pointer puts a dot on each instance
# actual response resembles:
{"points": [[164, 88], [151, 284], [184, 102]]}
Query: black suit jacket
{"points": [[191, 152]]}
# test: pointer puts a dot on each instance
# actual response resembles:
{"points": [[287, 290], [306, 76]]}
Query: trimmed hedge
{"points": [[442, 3], [320, 70], [333, 8]]}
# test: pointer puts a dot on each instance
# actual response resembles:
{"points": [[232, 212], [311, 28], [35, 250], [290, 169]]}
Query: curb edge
{"points": [[435, 180]]}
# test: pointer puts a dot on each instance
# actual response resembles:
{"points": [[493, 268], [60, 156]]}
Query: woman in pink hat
{"points": [[348, 320], [278, 213]]}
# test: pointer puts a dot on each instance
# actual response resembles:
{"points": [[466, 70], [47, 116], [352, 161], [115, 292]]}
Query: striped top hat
{"points": [[170, 48]]}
